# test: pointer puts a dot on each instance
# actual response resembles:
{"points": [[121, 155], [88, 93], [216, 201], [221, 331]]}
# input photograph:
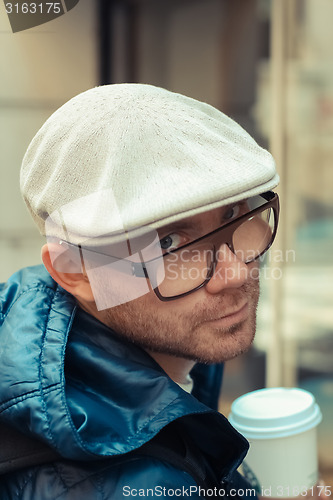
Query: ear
{"points": [[64, 265]]}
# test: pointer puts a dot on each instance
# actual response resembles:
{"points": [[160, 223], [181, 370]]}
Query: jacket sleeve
{"points": [[152, 478], [143, 477]]}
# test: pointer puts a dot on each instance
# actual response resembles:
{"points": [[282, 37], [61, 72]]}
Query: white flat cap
{"points": [[130, 157]]}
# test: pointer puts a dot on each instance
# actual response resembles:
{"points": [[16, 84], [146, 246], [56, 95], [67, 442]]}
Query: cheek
{"points": [[254, 271], [111, 287]]}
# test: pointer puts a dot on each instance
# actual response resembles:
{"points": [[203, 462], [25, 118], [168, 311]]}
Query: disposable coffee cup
{"points": [[280, 425]]}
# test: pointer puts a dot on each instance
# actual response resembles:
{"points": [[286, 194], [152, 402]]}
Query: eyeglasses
{"points": [[184, 270], [175, 273]]}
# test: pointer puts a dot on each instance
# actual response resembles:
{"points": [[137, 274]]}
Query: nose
{"points": [[230, 272]]}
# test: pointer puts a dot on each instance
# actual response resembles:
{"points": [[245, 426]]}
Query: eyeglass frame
{"points": [[139, 269]]}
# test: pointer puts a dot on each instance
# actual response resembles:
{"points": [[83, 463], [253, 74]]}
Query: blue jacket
{"points": [[72, 382]]}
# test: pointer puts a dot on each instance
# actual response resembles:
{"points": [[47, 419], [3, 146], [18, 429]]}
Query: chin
{"points": [[220, 346]]}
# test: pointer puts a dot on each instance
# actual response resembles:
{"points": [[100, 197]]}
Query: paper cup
{"points": [[280, 425]]}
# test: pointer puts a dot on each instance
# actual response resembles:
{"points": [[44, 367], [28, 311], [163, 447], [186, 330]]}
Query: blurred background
{"points": [[266, 63]]}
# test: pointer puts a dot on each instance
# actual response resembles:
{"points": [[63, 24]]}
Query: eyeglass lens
{"points": [[186, 269]]}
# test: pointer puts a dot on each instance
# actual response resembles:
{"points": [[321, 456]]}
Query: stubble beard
{"points": [[187, 334]]}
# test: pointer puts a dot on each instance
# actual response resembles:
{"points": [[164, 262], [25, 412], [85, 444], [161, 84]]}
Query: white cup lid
{"points": [[274, 413]]}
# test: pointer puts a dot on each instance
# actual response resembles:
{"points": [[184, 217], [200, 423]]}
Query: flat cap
{"points": [[132, 157]]}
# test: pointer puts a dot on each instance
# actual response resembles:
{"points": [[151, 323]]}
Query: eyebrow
{"points": [[177, 226], [192, 224]]}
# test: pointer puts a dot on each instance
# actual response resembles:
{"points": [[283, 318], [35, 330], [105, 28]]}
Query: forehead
{"points": [[217, 216], [213, 217], [194, 227]]}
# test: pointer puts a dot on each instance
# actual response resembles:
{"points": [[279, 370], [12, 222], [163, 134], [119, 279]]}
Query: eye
{"points": [[231, 213], [171, 241]]}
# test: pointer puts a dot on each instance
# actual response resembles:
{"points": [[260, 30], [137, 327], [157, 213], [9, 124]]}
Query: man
{"points": [[156, 209]]}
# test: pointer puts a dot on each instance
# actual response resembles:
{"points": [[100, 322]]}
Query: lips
{"points": [[231, 317], [236, 311]]}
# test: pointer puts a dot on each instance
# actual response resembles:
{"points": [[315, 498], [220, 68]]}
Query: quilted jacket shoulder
{"points": [[73, 383], [143, 476]]}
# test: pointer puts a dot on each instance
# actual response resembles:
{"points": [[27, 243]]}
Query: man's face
{"points": [[213, 324]]}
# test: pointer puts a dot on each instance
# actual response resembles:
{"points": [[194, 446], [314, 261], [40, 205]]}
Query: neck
{"points": [[177, 368]]}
